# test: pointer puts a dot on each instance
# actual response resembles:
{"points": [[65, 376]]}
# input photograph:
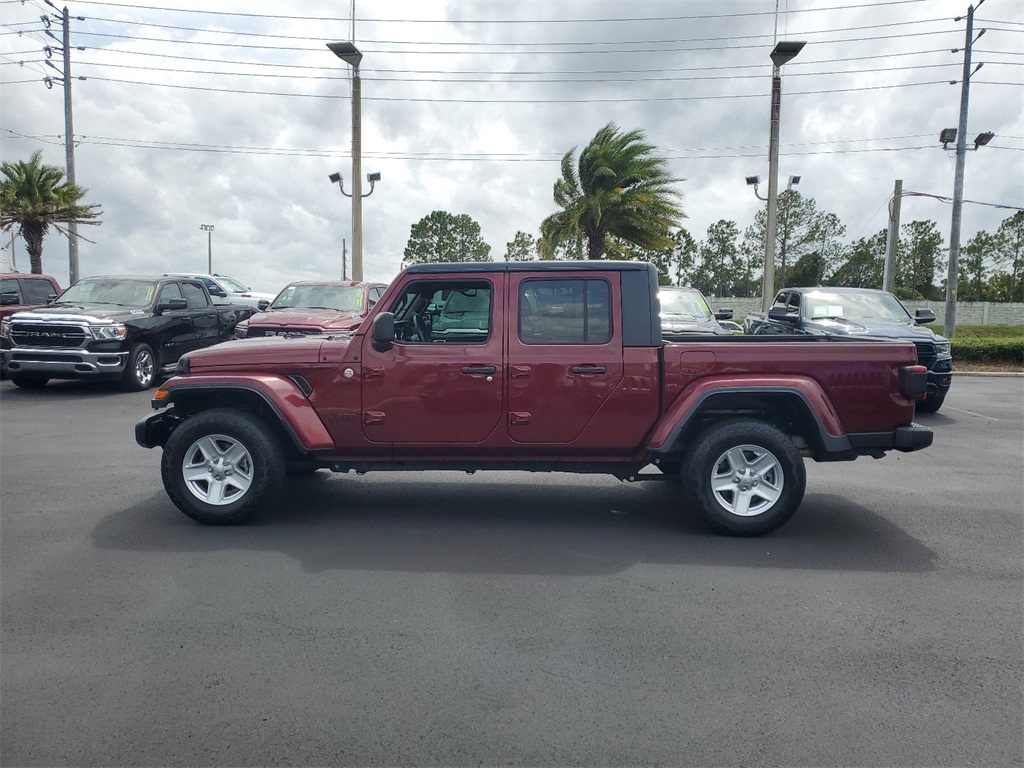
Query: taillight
{"points": [[914, 381]]}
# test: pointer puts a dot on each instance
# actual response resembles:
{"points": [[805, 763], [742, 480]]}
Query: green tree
{"points": [[799, 231], [441, 236], [813, 267], [1010, 253], [864, 263], [751, 261], [973, 266], [683, 259], [522, 248], [721, 268], [914, 275], [33, 199], [617, 189]]}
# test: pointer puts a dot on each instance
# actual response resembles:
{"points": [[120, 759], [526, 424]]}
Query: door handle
{"points": [[479, 369], [588, 370]]}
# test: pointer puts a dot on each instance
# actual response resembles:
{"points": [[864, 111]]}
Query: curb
{"points": [[1010, 374]]}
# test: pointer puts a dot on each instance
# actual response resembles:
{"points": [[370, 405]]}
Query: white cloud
{"points": [[164, 157]]}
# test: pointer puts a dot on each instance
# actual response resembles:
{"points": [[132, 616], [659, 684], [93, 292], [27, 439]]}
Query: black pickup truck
{"points": [[131, 329], [865, 313]]}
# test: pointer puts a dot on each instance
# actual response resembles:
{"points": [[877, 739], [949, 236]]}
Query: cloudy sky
{"points": [[234, 114]]}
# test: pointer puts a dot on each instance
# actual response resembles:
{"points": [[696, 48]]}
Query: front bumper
{"points": [[153, 430], [63, 363]]}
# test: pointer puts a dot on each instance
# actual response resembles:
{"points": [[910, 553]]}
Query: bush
{"points": [[988, 350]]}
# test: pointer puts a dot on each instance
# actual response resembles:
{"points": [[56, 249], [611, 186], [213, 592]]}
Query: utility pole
{"points": [[208, 229], [894, 236], [344, 260], [949, 320], [69, 146]]}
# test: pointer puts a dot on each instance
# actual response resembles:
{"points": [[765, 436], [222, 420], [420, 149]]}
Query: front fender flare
{"points": [[281, 394]]}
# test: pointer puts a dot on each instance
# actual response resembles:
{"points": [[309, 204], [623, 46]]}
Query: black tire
{"points": [[757, 471], [239, 453], [140, 373], [930, 404], [29, 381]]}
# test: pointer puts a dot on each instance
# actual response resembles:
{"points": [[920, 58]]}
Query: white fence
{"points": [[967, 312]]}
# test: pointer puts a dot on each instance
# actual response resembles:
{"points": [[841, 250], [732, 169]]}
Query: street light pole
{"points": [[208, 229], [348, 53], [783, 52]]}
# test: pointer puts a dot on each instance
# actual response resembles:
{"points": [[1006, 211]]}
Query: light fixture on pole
{"points": [[337, 178], [208, 229], [348, 53], [793, 181], [783, 52]]}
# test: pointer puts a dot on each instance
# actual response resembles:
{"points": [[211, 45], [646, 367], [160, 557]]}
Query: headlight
{"points": [[942, 348], [5, 329], [115, 331]]}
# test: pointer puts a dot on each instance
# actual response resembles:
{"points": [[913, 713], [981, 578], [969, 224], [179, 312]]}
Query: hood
{"points": [[263, 353], [328, 319], [97, 313], [875, 329], [689, 324], [254, 295]]}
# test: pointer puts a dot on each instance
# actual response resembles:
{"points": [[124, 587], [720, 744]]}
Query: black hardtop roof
{"points": [[530, 266]]}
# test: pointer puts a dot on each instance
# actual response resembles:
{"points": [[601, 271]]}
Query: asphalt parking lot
{"points": [[508, 618]]}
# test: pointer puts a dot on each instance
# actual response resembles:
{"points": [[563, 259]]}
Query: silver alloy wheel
{"points": [[145, 367], [747, 480], [217, 469]]}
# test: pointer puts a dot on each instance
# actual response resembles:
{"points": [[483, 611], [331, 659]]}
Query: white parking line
{"points": [[972, 413]]}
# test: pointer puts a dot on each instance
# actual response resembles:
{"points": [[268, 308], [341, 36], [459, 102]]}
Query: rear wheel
{"points": [[28, 381], [221, 466], [745, 477]]}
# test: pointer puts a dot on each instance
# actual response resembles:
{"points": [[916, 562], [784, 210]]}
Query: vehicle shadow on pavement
{"points": [[469, 525]]}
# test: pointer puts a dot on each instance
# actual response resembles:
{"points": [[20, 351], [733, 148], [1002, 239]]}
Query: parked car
{"points": [[865, 313], [20, 291], [226, 290], [564, 370], [685, 311], [131, 329], [309, 307]]}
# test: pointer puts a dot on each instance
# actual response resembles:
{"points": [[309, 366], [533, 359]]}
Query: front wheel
{"points": [[141, 369], [221, 466], [746, 477], [930, 404], [29, 381]]}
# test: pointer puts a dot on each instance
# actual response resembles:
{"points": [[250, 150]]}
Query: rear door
{"points": [[564, 353]]}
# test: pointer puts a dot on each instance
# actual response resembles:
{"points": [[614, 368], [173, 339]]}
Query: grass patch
{"points": [[984, 331]]}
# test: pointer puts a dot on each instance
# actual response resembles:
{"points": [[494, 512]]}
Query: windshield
{"points": [[232, 285], [688, 303], [113, 290], [854, 305], [344, 298]]}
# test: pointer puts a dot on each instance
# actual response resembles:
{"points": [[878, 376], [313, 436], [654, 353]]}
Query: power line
{"points": [[136, 7]]}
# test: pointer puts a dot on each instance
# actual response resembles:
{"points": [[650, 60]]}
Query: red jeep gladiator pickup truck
{"points": [[548, 366]]}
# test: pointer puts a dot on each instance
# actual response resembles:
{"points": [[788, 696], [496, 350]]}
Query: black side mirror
{"points": [[383, 331], [782, 314], [218, 293], [262, 304], [172, 305], [51, 298], [9, 299], [723, 313], [923, 316]]}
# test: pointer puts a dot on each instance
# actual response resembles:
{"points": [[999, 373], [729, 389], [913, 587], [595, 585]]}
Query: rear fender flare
{"points": [[689, 404]]}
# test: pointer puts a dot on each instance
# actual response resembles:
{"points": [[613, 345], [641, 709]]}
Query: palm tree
{"points": [[32, 198], [617, 191]]}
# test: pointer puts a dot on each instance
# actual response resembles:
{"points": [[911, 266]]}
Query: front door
{"points": [[441, 382]]}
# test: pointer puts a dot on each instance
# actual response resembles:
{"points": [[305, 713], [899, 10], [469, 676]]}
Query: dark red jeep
{"points": [[544, 366], [308, 307]]}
